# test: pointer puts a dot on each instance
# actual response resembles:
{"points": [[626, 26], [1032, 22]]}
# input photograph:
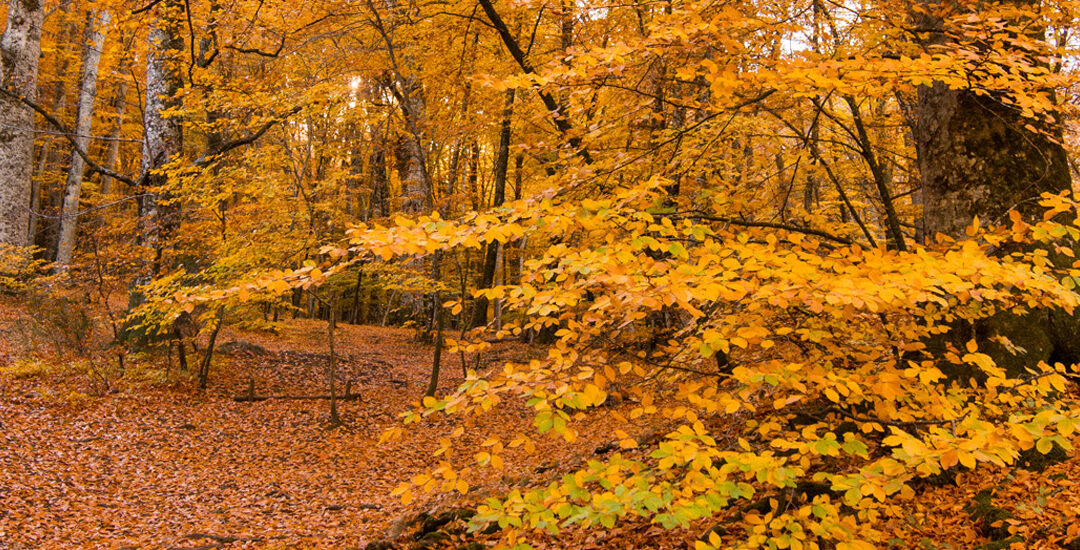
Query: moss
{"points": [[1035, 461], [992, 520], [1003, 544], [433, 539]]}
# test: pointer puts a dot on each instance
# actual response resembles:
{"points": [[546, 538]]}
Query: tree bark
{"points": [[161, 141], [20, 48], [112, 157], [93, 42], [978, 156]]}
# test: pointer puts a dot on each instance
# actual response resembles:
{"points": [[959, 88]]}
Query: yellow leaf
{"points": [[967, 459], [1044, 445], [832, 395]]}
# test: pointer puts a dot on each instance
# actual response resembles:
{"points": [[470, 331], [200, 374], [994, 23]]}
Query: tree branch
{"points": [[557, 111], [773, 225], [69, 135], [208, 156]]}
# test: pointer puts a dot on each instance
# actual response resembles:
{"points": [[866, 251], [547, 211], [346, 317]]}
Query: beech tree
{"points": [[982, 152], [20, 48], [93, 44]]}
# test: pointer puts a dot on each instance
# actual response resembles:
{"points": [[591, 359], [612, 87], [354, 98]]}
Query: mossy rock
{"points": [[992, 520], [431, 540], [431, 523], [1003, 544], [1035, 461], [945, 477]]}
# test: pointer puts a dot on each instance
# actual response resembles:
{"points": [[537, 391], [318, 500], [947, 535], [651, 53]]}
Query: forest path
{"points": [[155, 463]]}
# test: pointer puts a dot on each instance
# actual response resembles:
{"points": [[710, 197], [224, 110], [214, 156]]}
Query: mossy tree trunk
{"points": [[979, 156]]}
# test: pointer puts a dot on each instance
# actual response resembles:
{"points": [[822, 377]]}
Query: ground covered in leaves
{"points": [[156, 463]]}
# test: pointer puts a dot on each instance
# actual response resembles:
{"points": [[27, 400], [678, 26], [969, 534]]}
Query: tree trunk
{"points": [[65, 40], [20, 48], [502, 164], [93, 42], [978, 156], [378, 204], [112, 157], [161, 142], [330, 326], [436, 360]]}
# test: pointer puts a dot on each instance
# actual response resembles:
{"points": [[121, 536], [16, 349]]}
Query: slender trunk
{"points": [[204, 367], [502, 163], [65, 40], [896, 235], [20, 48], [330, 326], [436, 361], [378, 205], [353, 313], [93, 42], [112, 157]]}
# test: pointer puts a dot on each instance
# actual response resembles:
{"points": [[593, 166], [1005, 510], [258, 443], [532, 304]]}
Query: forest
{"points": [[539, 274]]}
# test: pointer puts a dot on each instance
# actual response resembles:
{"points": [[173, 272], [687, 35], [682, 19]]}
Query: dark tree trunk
{"points": [[502, 164], [979, 156]]}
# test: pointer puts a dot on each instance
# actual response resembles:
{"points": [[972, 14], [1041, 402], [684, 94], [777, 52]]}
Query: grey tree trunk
{"points": [[161, 142], [93, 42], [20, 48], [47, 157], [976, 157]]}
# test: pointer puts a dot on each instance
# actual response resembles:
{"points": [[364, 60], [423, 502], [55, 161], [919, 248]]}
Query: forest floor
{"points": [[157, 463]]}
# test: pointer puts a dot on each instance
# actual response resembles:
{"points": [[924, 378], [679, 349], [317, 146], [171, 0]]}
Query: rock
{"points": [[472, 546], [429, 523], [1004, 544], [380, 545], [940, 479], [992, 520], [432, 540], [397, 527], [605, 448], [240, 346]]}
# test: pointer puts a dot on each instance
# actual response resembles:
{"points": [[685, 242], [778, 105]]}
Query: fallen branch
{"points": [[250, 396]]}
